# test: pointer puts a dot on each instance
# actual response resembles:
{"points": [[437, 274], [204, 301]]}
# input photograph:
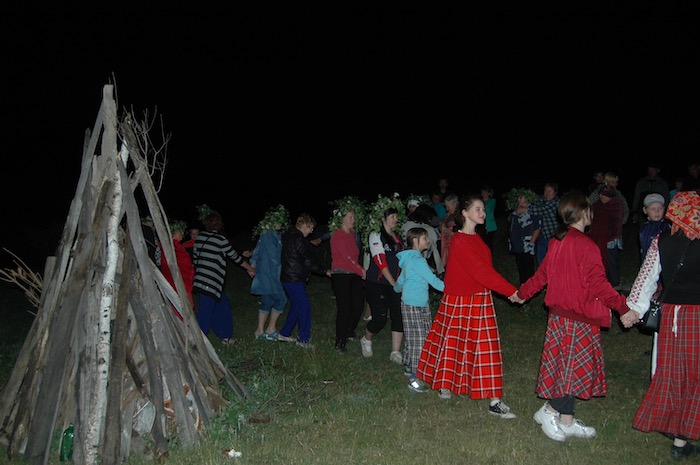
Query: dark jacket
{"points": [[296, 258]]}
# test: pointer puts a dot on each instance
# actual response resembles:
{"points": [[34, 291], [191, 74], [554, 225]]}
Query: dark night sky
{"points": [[355, 101]]}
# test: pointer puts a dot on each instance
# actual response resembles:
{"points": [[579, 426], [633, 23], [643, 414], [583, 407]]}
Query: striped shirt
{"points": [[209, 254]]}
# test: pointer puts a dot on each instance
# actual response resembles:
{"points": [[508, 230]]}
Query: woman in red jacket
{"points": [[579, 298]]}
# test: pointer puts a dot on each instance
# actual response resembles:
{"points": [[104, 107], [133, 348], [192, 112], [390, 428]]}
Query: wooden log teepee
{"points": [[105, 351]]}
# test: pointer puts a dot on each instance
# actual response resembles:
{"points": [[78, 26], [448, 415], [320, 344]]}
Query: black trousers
{"points": [[385, 304], [526, 266], [350, 301]]}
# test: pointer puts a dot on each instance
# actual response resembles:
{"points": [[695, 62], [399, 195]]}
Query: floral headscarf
{"points": [[684, 213]]}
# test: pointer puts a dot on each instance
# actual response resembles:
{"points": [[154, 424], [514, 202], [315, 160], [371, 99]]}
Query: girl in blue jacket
{"points": [[414, 283]]}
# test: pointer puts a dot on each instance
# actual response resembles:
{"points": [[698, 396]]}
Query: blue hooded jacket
{"points": [[415, 279], [267, 260]]}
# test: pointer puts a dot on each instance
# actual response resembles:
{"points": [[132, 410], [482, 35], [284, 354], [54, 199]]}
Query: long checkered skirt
{"points": [[672, 402], [572, 361], [462, 351]]}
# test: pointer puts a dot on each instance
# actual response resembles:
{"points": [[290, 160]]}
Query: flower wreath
{"points": [[177, 225], [376, 211], [203, 211], [275, 219], [344, 205], [415, 197]]}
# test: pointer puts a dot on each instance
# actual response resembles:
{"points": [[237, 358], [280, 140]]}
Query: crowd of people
{"points": [[389, 257]]}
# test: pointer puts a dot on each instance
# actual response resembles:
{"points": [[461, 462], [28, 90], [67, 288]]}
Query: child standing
{"points": [[413, 284], [655, 209]]}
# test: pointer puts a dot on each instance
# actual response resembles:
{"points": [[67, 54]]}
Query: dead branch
{"points": [[155, 153], [26, 279]]}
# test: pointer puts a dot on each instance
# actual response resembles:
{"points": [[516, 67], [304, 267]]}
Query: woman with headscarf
{"points": [[671, 405]]}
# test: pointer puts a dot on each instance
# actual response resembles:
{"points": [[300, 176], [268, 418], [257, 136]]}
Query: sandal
{"points": [[273, 336]]}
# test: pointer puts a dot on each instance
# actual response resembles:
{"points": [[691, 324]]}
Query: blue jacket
{"points": [[267, 260], [415, 279]]}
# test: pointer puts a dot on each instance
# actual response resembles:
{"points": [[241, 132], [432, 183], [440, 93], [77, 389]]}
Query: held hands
{"points": [[629, 319], [515, 298], [251, 271]]}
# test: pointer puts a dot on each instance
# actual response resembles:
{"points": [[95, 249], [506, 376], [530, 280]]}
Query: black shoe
{"points": [[685, 452], [341, 348]]}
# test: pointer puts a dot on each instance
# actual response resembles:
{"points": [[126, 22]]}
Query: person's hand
{"points": [[515, 298], [629, 319], [251, 272], [315, 241], [247, 253]]}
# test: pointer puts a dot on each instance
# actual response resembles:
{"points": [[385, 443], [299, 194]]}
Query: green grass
{"points": [[320, 407]]}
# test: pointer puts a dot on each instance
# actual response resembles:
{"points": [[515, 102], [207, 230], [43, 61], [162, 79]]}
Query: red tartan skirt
{"points": [[672, 402], [572, 361], [462, 351]]}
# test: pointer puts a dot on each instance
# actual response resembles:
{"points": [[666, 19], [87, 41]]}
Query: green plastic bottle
{"points": [[67, 444]]}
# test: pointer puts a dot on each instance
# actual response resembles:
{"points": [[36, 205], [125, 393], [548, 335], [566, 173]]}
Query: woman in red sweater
{"points": [[462, 352], [579, 298]]}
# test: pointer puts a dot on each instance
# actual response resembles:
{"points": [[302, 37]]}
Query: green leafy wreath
{"points": [[376, 211], [275, 219], [344, 205], [511, 197]]}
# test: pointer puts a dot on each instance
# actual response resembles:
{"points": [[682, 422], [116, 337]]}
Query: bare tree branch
{"points": [[155, 152]]}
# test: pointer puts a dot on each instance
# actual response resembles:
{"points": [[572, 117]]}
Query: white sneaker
{"points": [[444, 393], [577, 429], [396, 357], [366, 346], [550, 423]]}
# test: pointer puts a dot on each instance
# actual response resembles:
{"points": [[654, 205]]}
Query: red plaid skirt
{"points": [[672, 402], [572, 360], [462, 351]]}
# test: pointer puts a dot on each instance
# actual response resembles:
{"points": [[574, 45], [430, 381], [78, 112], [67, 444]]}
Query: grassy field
{"points": [[320, 407]]}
